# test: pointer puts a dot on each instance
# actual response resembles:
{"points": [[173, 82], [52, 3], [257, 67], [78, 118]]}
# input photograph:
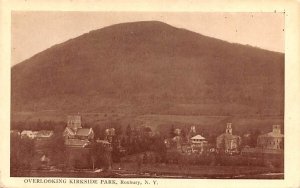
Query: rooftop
{"points": [[272, 134], [198, 137], [84, 132]]}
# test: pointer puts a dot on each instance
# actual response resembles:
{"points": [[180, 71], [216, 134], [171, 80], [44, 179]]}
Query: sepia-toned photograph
{"points": [[176, 95]]}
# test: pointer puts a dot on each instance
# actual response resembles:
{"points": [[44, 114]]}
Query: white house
{"points": [[29, 134], [198, 143], [271, 140]]}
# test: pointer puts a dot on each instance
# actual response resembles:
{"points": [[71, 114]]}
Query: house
{"points": [[78, 138], [44, 134], [198, 143], [75, 135], [271, 140], [28, 134], [228, 142], [198, 139]]}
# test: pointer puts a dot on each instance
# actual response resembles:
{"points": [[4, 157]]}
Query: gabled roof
{"points": [[84, 132], [272, 134], [70, 131], [198, 137]]}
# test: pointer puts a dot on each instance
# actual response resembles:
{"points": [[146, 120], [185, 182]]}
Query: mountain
{"points": [[150, 68]]}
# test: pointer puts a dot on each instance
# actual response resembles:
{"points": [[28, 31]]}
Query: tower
{"points": [[193, 129], [74, 122], [277, 129], [228, 128]]}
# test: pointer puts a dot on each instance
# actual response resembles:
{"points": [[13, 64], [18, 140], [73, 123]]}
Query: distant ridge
{"points": [[150, 67]]}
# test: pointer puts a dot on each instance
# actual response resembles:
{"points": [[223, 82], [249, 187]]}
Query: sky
{"points": [[33, 32]]}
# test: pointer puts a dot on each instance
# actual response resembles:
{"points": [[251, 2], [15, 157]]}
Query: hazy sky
{"points": [[33, 32]]}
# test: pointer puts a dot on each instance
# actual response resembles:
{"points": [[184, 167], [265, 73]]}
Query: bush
{"points": [[22, 152]]}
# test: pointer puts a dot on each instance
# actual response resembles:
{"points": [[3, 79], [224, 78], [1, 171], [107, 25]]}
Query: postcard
{"points": [[149, 94]]}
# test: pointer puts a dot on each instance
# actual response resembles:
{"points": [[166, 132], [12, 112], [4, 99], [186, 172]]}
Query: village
{"points": [[140, 149]]}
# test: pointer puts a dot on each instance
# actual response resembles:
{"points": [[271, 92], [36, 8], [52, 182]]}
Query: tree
{"points": [[101, 155], [22, 150], [116, 154], [158, 145], [172, 131], [118, 129], [128, 130], [15, 155], [56, 148], [39, 124], [183, 135], [254, 136]]}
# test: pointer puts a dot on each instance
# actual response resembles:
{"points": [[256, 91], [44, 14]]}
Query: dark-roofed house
{"points": [[228, 142]]}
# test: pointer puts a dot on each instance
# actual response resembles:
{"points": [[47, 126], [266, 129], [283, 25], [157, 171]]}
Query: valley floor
{"points": [[129, 170]]}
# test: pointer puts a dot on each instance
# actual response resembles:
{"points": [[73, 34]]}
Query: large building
{"points": [[77, 142], [271, 140], [228, 142], [75, 135]]}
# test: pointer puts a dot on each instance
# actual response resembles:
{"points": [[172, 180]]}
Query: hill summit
{"points": [[150, 67]]}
